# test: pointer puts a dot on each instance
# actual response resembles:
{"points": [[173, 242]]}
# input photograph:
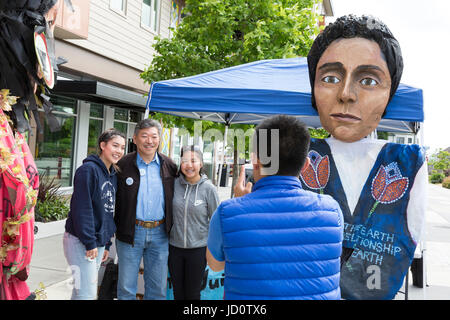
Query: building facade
{"points": [[107, 44]]}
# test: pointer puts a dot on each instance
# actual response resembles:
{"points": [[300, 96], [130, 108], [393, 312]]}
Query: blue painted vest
{"points": [[281, 242], [376, 234]]}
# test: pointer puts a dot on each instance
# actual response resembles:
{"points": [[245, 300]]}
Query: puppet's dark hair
{"points": [[18, 62], [352, 26]]}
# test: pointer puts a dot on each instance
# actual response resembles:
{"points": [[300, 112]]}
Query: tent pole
{"points": [[147, 105], [219, 178]]}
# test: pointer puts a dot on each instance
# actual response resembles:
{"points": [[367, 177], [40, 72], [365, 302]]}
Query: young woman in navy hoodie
{"points": [[90, 224]]}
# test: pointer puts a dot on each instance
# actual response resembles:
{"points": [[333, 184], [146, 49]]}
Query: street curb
{"points": [[49, 229]]}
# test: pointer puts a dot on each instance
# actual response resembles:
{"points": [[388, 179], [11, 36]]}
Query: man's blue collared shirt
{"points": [[150, 199]]}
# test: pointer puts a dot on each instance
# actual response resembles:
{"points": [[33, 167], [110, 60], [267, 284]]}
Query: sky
{"points": [[423, 31]]}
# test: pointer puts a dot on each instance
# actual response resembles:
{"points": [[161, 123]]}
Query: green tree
{"points": [[216, 34], [319, 133], [441, 162]]}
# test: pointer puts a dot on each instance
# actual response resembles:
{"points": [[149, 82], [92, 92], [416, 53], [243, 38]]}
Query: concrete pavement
{"points": [[49, 265]]}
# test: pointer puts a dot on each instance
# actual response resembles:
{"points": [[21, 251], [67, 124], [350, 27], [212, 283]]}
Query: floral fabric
{"points": [[19, 183]]}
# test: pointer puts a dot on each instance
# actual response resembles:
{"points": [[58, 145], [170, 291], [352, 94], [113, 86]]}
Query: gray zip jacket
{"points": [[193, 207]]}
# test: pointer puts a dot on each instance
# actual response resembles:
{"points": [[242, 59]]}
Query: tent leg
{"points": [[219, 178]]}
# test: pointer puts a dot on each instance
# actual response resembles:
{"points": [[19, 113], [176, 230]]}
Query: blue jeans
{"points": [[152, 245], [84, 271]]}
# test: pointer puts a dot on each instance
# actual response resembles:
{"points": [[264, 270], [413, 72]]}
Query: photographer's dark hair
{"points": [[293, 143], [352, 26], [197, 151]]}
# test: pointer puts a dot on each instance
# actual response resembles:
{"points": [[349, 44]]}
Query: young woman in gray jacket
{"points": [[194, 201]]}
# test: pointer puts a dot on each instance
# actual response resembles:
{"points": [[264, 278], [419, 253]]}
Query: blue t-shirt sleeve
{"points": [[215, 237]]}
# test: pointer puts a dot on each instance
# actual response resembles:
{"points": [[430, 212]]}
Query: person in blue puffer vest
{"points": [[274, 239]]}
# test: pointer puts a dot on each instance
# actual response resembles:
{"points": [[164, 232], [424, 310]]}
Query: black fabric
{"points": [[108, 287], [18, 61], [345, 255], [352, 26], [187, 267]]}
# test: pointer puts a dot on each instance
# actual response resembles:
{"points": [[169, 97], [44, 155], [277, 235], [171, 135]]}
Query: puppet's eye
{"points": [[369, 82], [331, 79]]}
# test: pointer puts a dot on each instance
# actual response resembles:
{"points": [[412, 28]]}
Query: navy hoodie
{"points": [[92, 205]]}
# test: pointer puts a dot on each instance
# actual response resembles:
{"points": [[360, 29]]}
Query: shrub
{"points": [[51, 210], [51, 205], [446, 183], [437, 178], [447, 172]]}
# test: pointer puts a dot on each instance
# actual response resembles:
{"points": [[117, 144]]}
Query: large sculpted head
{"points": [[20, 71], [355, 66]]}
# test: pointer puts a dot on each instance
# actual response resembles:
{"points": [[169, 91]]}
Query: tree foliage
{"points": [[440, 162], [216, 34]]}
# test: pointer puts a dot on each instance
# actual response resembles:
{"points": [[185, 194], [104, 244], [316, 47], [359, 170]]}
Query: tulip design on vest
{"points": [[317, 173], [388, 185]]}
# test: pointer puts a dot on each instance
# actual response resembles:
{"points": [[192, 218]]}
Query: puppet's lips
{"points": [[345, 117]]}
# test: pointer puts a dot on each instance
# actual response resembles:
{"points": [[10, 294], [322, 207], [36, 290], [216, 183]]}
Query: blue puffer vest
{"points": [[281, 242]]}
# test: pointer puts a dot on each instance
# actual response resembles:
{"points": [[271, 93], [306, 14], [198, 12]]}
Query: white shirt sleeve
{"points": [[415, 212]]}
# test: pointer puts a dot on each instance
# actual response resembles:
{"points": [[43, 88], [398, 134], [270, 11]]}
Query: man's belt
{"points": [[149, 224]]}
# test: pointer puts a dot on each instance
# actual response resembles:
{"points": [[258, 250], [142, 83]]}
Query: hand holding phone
{"points": [[241, 188]]}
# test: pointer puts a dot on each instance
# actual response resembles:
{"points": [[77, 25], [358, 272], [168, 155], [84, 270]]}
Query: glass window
{"points": [[121, 126], [120, 114], [400, 140], [54, 150], [149, 16], [96, 110], [95, 130], [135, 116], [64, 104], [125, 121], [95, 127], [118, 5], [410, 140]]}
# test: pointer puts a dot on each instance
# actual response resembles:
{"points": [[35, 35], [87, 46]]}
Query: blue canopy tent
{"points": [[251, 92]]}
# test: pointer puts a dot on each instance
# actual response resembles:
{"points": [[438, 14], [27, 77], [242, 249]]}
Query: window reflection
{"points": [[54, 150]]}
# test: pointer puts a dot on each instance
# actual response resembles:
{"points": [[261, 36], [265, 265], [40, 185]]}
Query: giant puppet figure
{"points": [[355, 66], [27, 64]]}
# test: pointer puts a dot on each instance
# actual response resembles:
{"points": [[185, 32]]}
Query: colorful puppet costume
{"points": [[383, 220], [22, 91], [19, 182]]}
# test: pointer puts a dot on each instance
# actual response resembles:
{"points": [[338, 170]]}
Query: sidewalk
{"points": [[49, 265]]}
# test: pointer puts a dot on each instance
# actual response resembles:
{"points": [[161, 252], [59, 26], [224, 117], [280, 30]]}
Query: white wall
{"points": [[121, 37]]}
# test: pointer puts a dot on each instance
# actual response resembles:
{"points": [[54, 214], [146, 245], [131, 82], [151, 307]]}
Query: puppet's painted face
{"points": [[351, 88], [50, 16]]}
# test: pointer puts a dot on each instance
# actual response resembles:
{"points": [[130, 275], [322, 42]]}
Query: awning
{"points": [[251, 92], [99, 92]]}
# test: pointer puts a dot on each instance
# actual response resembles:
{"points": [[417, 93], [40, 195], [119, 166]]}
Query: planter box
{"points": [[49, 229]]}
